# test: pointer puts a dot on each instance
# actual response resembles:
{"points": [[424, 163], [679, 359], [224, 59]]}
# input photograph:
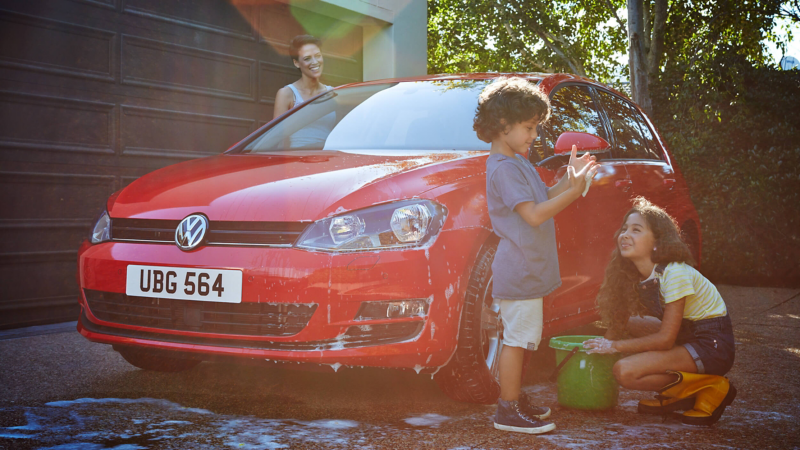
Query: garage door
{"points": [[96, 93]]}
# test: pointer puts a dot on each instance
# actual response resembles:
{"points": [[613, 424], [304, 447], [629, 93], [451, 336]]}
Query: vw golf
{"points": [[353, 231]]}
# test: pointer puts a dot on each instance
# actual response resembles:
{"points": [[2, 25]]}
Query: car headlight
{"points": [[102, 229], [407, 223], [393, 309]]}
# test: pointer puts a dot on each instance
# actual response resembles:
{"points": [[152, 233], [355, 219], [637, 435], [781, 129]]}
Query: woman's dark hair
{"points": [[508, 101], [618, 299], [299, 41]]}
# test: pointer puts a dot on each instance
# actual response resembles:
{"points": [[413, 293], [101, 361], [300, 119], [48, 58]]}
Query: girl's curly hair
{"points": [[508, 101], [618, 299]]}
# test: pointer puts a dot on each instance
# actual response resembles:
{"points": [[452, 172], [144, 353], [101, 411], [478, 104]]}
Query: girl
{"points": [[684, 344]]}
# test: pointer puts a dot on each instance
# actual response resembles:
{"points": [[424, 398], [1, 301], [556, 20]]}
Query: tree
{"points": [[517, 35], [736, 138], [645, 44], [725, 110], [585, 37]]}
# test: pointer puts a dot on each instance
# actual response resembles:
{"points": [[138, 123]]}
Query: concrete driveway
{"points": [[59, 391]]}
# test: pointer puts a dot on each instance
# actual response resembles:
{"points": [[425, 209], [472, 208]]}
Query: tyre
{"points": [[471, 374], [157, 360]]}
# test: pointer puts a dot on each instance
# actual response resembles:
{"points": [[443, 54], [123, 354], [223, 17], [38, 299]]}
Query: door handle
{"points": [[625, 185], [669, 183]]}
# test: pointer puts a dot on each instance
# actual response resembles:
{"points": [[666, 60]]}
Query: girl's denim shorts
{"points": [[710, 342]]}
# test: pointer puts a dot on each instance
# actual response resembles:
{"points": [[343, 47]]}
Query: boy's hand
{"points": [[578, 180], [579, 163]]}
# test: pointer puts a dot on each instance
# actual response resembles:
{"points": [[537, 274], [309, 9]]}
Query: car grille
{"points": [[219, 232], [251, 319], [354, 337]]}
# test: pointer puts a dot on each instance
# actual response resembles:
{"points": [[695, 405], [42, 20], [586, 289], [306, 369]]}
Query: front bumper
{"points": [[335, 284]]}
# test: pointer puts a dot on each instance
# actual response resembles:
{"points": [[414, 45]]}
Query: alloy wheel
{"points": [[491, 330]]}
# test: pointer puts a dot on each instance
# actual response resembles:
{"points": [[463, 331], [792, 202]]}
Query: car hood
{"points": [[290, 186]]}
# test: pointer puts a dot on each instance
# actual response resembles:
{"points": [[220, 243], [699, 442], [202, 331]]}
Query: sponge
{"points": [[588, 177]]}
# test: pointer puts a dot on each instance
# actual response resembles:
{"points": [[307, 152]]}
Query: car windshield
{"points": [[421, 115]]}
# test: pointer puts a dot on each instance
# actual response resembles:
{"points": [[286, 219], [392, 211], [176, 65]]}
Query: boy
{"points": [[521, 208]]}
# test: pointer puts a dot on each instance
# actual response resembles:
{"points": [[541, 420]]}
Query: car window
{"points": [[633, 137], [309, 126], [424, 115], [434, 115], [654, 151], [573, 109]]}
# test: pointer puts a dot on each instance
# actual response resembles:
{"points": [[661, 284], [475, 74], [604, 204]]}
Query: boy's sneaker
{"points": [[509, 417], [531, 410]]}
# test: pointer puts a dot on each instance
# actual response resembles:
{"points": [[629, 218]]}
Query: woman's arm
{"points": [[284, 101], [664, 339]]}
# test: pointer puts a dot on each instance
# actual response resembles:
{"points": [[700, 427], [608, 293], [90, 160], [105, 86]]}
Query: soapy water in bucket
{"points": [[584, 381]]}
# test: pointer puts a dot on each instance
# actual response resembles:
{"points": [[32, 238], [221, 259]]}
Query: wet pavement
{"points": [[59, 391]]}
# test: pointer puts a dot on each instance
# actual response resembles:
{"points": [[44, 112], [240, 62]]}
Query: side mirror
{"points": [[584, 141]]}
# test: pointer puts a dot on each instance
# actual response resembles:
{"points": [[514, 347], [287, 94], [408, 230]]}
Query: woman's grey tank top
{"points": [[299, 98], [313, 135]]}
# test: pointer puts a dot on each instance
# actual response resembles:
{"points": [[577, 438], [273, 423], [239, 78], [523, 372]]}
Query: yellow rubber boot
{"points": [[705, 396], [665, 405], [676, 396], [710, 402]]}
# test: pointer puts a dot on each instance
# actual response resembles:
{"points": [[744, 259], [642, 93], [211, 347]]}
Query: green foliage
{"points": [[728, 116], [523, 36], [736, 138], [589, 37], [700, 31]]}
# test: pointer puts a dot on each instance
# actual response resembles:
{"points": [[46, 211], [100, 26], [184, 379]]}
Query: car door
{"points": [[650, 173], [584, 230]]}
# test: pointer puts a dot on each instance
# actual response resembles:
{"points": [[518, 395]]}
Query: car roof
{"points": [[546, 81]]}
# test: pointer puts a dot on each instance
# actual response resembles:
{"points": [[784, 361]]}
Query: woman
{"points": [[307, 57], [685, 344]]}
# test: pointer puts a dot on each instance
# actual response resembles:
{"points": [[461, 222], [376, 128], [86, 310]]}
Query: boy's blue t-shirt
{"points": [[526, 263]]}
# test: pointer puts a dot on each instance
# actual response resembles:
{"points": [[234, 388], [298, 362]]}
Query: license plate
{"points": [[207, 285]]}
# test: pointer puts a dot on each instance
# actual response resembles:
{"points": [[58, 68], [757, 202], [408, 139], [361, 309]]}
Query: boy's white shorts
{"points": [[523, 322]]}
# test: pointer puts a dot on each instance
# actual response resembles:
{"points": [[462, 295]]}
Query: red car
{"points": [[353, 231]]}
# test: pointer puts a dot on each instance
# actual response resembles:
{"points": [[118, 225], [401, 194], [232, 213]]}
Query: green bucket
{"points": [[585, 381]]}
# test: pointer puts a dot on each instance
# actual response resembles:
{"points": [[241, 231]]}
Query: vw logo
{"points": [[191, 231]]}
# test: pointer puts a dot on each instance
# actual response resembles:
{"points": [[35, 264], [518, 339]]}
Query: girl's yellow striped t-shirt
{"points": [[703, 301]]}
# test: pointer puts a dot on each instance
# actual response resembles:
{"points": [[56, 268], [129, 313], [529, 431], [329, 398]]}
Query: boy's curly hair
{"points": [[618, 299], [508, 101]]}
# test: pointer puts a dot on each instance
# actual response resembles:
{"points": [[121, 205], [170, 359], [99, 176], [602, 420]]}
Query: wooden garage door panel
{"points": [[51, 234], [29, 195], [55, 123], [272, 77], [207, 15], [26, 279], [276, 24], [95, 93], [163, 65], [34, 43], [175, 134], [110, 4], [45, 216]]}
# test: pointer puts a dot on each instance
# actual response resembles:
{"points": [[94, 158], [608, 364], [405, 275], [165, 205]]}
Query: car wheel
{"points": [[471, 374], [155, 360]]}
